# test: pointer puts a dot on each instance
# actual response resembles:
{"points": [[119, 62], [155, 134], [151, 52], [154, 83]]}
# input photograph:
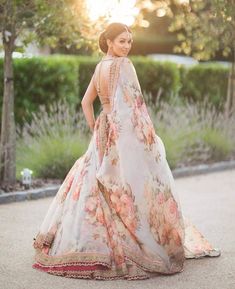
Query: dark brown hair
{"points": [[111, 32]]}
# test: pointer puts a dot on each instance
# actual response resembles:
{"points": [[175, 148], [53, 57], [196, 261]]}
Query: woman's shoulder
{"points": [[125, 60], [120, 59], [126, 64], [118, 63]]}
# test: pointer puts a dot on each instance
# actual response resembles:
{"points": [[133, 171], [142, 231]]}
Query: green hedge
{"points": [[41, 80], [204, 81], [155, 76], [86, 68]]}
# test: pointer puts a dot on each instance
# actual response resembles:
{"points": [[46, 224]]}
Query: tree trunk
{"points": [[230, 101], [8, 131]]}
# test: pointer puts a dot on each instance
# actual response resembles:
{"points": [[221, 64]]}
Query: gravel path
{"points": [[209, 201]]}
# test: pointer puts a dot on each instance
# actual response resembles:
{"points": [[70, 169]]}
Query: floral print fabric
{"points": [[116, 214]]}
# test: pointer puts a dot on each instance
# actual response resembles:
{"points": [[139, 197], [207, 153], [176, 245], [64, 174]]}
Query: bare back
{"points": [[102, 78], [105, 74]]}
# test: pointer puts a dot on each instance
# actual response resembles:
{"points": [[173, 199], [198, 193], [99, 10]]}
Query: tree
{"points": [[205, 28], [45, 21]]}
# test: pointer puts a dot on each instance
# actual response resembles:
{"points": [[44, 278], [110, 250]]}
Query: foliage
{"points": [[52, 141], [205, 27], [48, 22], [57, 137], [43, 80], [204, 81], [157, 77], [193, 133]]}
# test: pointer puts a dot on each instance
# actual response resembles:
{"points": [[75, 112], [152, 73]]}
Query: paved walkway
{"points": [[209, 200]]}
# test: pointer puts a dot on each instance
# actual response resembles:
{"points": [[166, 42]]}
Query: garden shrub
{"points": [[43, 80], [204, 81]]}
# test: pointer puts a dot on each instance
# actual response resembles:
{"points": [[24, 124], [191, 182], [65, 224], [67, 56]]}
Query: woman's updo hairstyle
{"points": [[111, 32]]}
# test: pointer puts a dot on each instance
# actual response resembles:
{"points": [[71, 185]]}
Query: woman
{"points": [[116, 215]]}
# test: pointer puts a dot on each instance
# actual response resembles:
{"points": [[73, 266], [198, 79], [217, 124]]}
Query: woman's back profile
{"points": [[116, 214]]}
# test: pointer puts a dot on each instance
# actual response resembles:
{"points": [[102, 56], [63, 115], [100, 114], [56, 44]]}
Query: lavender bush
{"points": [[192, 134]]}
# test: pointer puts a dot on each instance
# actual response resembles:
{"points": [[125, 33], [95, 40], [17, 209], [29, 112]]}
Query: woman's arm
{"points": [[87, 104]]}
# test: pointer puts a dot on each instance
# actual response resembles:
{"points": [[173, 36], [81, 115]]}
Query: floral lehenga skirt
{"points": [[116, 214]]}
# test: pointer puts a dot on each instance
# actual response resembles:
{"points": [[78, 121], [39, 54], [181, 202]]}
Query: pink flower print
{"points": [[45, 250], [76, 192], [144, 108], [116, 202], [139, 101], [67, 185], [127, 98], [100, 215], [198, 248], [165, 234], [150, 136], [160, 198], [162, 235], [171, 211], [131, 224], [69, 180], [176, 237], [114, 198], [114, 162], [114, 130], [91, 204], [126, 199], [119, 259], [127, 205]]}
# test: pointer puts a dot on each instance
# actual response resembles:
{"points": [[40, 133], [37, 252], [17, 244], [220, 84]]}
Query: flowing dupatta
{"points": [[132, 159], [116, 214]]}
